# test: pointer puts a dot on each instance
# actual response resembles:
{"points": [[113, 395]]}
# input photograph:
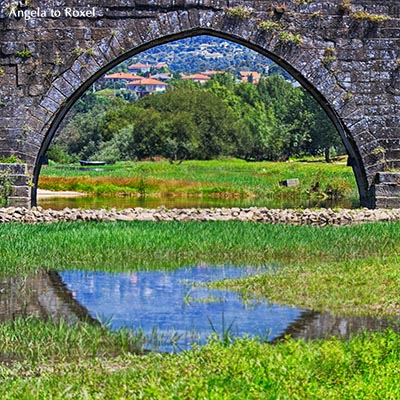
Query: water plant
{"points": [[226, 336], [218, 179], [81, 362], [360, 271]]}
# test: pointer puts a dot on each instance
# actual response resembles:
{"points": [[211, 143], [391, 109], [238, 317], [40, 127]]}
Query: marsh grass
{"points": [[349, 268], [120, 246], [341, 269], [215, 178], [366, 366]]}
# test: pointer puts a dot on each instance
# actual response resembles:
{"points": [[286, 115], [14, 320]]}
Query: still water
{"points": [[192, 202], [173, 304]]}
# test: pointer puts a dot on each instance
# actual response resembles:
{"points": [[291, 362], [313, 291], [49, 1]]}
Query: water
{"points": [[175, 306], [181, 312], [191, 202]]}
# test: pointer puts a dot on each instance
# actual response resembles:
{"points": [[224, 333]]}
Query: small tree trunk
{"points": [[327, 155]]}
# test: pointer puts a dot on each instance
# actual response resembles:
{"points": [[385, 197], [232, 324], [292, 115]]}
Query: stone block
{"points": [[387, 190], [387, 202], [387, 178], [19, 202], [289, 182], [20, 180], [21, 191], [14, 169]]}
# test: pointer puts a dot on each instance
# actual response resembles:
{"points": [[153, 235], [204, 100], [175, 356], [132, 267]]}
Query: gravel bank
{"points": [[320, 217]]}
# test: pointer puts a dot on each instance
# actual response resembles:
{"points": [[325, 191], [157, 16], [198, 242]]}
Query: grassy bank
{"points": [[216, 178], [343, 269], [352, 269], [53, 361]]}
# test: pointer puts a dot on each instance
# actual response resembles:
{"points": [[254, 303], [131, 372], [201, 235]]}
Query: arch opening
{"points": [[354, 158]]}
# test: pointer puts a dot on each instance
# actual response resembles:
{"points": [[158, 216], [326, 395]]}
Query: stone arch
{"points": [[341, 59], [85, 84]]}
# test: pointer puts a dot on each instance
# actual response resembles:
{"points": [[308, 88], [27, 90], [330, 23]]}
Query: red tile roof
{"points": [[147, 81], [139, 66], [199, 77], [246, 74], [208, 73], [122, 75]]}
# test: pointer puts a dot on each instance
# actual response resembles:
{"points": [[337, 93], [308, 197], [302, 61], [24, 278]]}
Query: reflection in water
{"points": [[42, 295], [171, 302], [189, 202], [314, 325]]}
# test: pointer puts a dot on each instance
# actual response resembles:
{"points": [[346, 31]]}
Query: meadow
{"points": [[343, 269], [225, 179]]}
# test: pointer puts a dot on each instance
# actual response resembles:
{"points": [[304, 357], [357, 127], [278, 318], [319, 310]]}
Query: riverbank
{"points": [[352, 269], [318, 217], [51, 194]]}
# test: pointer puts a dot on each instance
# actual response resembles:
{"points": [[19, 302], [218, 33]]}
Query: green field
{"points": [[343, 269], [225, 179]]}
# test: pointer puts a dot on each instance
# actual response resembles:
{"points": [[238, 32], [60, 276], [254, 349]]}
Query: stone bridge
{"points": [[346, 53]]}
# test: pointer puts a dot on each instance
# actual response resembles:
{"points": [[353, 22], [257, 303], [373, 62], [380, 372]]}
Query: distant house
{"points": [[162, 77], [124, 76], [139, 68], [146, 86], [196, 78], [250, 76], [161, 65], [211, 73]]}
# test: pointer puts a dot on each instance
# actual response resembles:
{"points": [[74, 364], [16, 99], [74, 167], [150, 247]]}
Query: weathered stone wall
{"points": [[347, 54], [18, 178]]}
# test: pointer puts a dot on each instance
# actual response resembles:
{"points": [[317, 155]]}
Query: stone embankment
{"points": [[320, 217]]}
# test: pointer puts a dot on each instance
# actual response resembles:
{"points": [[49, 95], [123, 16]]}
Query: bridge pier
{"points": [[15, 185], [386, 190]]}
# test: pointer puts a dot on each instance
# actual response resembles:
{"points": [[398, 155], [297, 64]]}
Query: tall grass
{"points": [[205, 178], [133, 245], [365, 367], [342, 269], [353, 268]]}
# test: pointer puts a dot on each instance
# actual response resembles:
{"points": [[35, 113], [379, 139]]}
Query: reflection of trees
{"points": [[314, 325], [42, 295]]}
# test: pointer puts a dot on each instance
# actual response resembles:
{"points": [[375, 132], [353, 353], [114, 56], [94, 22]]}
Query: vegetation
{"points": [[239, 12], [5, 187], [215, 178], [362, 15], [204, 52], [23, 53], [62, 362], [272, 120], [360, 273], [9, 160], [348, 269]]}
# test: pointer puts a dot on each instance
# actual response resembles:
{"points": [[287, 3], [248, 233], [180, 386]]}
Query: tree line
{"points": [[272, 120]]}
